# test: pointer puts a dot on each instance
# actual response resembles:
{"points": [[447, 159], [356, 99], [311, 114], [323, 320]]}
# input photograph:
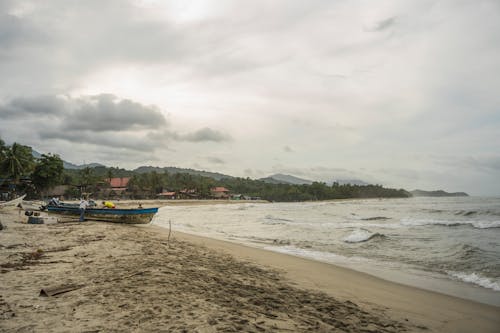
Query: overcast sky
{"points": [[400, 93]]}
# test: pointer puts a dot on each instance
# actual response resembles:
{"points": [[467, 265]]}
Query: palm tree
{"points": [[17, 160]]}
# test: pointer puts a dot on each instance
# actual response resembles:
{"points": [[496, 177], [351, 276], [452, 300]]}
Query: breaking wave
{"points": [[476, 224], [376, 218], [361, 235], [269, 219], [476, 279]]}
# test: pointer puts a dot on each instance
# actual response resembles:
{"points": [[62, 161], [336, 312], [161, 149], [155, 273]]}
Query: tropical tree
{"points": [[3, 151], [17, 160], [88, 179], [48, 172]]}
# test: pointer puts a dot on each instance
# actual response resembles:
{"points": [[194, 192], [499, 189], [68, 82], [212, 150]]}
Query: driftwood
{"points": [[52, 291]]}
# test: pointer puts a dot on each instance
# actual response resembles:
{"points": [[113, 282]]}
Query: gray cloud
{"points": [[273, 75], [204, 134], [33, 106], [107, 113], [288, 149], [102, 120], [384, 24], [216, 160], [103, 112]]}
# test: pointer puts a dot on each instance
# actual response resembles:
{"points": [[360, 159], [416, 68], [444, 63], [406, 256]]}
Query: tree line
{"points": [[36, 176]]}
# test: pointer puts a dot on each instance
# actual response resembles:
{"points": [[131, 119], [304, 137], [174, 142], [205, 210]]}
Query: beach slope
{"points": [[116, 278]]}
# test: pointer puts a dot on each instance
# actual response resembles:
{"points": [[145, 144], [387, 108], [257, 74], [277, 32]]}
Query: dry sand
{"points": [[130, 278]]}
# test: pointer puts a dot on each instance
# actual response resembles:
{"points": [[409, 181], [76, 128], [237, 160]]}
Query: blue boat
{"points": [[134, 215]]}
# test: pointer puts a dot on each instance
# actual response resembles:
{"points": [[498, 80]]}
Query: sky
{"points": [[399, 93]]}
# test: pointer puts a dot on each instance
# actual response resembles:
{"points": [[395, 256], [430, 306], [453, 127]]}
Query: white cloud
{"points": [[388, 87]]}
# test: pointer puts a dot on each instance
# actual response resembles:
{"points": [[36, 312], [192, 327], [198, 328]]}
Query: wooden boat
{"points": [[32, 205], [13, 202], [136, 215]]}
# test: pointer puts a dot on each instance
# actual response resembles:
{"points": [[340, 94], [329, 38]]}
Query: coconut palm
{"points": [[17, 160]]}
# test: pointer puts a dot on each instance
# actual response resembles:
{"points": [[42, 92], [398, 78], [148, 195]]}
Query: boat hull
{"points": [[132, 216], [13, 202]]}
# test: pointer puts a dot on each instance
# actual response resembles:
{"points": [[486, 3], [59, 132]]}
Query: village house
{"points": [[219, 192], [188, 194], [167, 195], [118, 186]]}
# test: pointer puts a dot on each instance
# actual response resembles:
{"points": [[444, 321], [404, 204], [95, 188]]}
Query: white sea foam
{"points": [[360, 235], [328, 257], [449, 223], [368, 225], [476, 279], [486, 224]]}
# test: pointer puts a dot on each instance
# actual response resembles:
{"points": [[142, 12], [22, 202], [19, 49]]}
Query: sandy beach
{"points": [[134, 278]]}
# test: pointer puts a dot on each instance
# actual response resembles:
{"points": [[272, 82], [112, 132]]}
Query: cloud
{"points": [[108, 113], [383, 25], [204, 134], [340, 85], [103, 120], [216, 160], [99, 113], [33, 107]]}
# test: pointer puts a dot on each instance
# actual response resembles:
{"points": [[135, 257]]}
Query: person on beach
{"points": [[108, 204], [83, 205]]}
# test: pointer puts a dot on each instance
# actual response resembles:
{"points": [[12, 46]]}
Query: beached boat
{"points": [[34, 205], [136, 216], [13, 202]]}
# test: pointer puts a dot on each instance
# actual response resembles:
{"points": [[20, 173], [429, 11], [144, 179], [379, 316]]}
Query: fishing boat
{"points": [[132, 215], [13, 202]]}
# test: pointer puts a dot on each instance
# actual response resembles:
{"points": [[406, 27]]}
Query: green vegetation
{"points": [[46, 172], [16, 161], [315, 191]]}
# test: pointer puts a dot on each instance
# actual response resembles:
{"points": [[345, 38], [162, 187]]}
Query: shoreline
{"points": [[436, 284], [401, 273], [435, 310], [132, 278]]}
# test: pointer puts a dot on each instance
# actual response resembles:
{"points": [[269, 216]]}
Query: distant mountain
{"points": [[349, 182], [173, 170], [280, 178], [438, 193], [69, 165]]}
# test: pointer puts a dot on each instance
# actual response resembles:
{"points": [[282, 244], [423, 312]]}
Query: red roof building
{"points": [[219, 192], [118, 185], [119, 182]]}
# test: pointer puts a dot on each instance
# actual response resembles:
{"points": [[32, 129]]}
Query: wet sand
{"points": [[132, 278]]}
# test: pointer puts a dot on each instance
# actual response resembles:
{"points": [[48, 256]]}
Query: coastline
{"points": [[131, 278], [436, 311]]}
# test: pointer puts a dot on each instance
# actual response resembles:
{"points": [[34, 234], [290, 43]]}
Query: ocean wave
{"points": [[368, 225], [269, 219], [468, 252], [376, 218], [328, 257], [476, 279], [476, 224], [361, 235]]}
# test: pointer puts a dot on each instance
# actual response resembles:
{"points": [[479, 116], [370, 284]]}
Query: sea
{"points": [[449, 245]]}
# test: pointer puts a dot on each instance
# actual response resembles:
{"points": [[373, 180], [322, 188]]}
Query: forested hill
{"points": [[438, 193], [314, 191], [174, 170], [36, 174]]}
